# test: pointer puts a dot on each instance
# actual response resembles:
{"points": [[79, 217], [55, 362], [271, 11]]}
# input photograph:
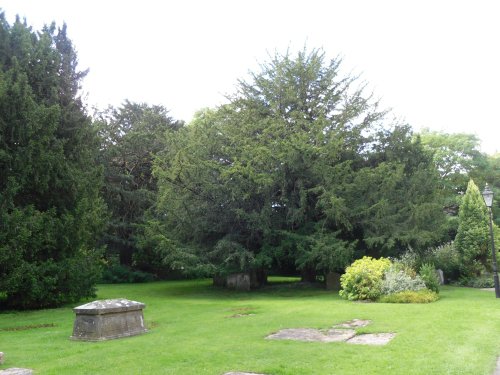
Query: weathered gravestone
{"points": [[332, 281], [440, 276], [1, 358], [108, 319], [243, 281], [239, 281]]}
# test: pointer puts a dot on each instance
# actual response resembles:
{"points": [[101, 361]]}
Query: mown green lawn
{"points": [[192, 332]]}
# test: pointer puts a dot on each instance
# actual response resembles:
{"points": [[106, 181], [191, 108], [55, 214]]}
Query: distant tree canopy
{"points": [[458, 159], [50, 208], [131, 136], [298, 171]]}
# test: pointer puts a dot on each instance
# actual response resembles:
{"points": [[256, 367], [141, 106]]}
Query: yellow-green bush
{"points": [[411, 296], [363, 279]]}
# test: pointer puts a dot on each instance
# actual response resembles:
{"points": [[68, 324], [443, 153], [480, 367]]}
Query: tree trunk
{"points": [[308, 275]]}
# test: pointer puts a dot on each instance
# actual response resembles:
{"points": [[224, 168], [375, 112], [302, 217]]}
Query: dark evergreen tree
{"points": [[296, 172], [131, 136], [50, 208]]}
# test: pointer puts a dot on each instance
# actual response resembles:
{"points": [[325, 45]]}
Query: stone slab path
{"points": [[16, 371], [497, 369], [343, 332]]}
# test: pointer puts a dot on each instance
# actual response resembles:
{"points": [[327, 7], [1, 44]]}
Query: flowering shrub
{"points": [[363, 279], [397, 280], [411, 296]]}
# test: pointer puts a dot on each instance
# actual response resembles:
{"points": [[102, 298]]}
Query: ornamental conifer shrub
{"points": [[472, 239]]}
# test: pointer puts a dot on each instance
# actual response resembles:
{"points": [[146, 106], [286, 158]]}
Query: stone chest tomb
{"points": [[108, 319]]}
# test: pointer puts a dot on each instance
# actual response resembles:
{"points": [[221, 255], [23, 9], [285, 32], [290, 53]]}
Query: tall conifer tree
{"points": [[50, 209]]}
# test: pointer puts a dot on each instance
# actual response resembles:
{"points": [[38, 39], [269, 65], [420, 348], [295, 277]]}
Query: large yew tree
{"points": [[300, 171], [50, 209]]}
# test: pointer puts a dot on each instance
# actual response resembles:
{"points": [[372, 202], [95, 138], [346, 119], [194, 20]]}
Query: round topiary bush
{"points": [[363, 279]]}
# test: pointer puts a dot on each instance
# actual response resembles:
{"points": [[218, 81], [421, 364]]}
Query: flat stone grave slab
{"points": [[242, 373], [108, 319], [372, 339], [342, 332], [355, 323], [313, 335]]}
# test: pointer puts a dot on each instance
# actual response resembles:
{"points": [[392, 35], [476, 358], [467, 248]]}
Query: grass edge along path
{"points": [[198, 329]]}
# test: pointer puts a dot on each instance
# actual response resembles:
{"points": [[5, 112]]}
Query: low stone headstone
{"points": [[333, 281], [239, 281], [1, 358], [16, 371], [440, 275], [108, 319]]}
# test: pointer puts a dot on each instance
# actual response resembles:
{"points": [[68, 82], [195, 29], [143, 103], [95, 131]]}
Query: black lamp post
{"points": [[488, 199]]}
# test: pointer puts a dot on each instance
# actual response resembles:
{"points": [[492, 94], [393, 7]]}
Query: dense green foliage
{"points": [[457, 159], [428, 273], [363, 279], [116, 273], [50, 209], [297, 172], [444, 257], [131, 136], [491, 175]]}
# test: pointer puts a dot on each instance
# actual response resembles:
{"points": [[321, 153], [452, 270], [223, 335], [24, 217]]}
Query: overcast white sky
{"points": [[436, 63]]}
